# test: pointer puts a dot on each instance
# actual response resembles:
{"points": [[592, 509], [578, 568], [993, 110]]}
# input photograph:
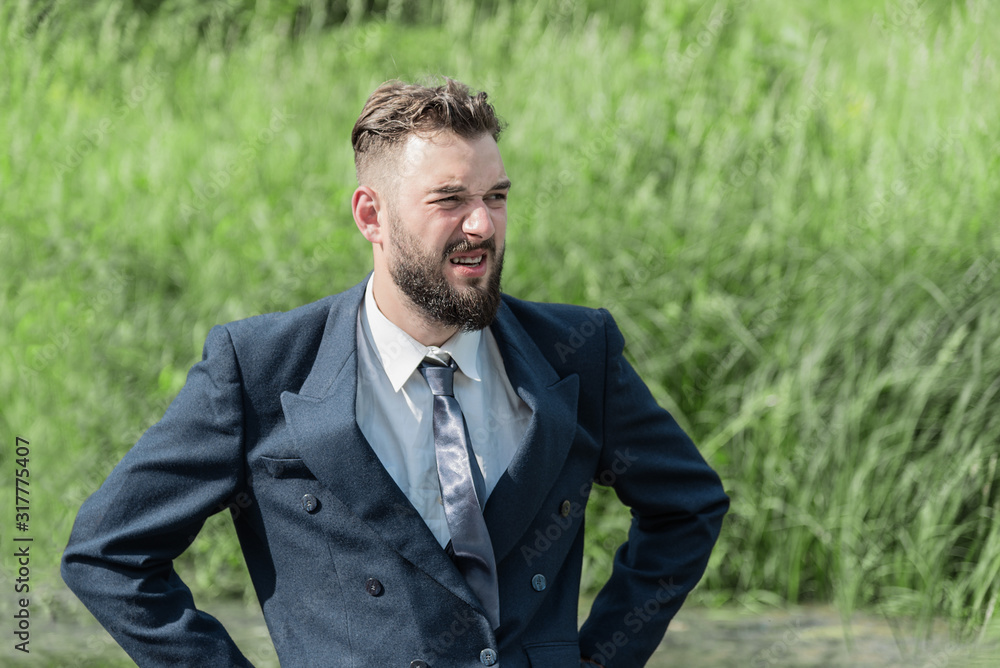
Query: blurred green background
{"points": [[790, 208]]}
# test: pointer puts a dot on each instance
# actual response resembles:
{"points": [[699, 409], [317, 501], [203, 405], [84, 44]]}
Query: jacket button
{"points": [[418, 664], [565, 507], [488, 657], [310, 503], [374, 587], [538, 582]]}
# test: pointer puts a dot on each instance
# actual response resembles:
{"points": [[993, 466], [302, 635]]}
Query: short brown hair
{"points": [[397, 110]]}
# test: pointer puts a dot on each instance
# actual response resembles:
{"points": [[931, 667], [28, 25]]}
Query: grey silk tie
{"points": [[462, 488]]}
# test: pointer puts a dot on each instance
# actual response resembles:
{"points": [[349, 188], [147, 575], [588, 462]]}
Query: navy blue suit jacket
{"points": [[346, 571]]}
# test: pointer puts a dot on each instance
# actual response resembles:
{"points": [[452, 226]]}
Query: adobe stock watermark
{"points": [[876, 209], [97, 135], [901, 16], [981, 272], [549, 190], [788, 123], [366, 36], [943, 657], [207, 190], [682, 62], [27, 30], [578, 334], [760, 326], [235, 505], [778, 650], [463, 620], [223, 9], [158, 407], [636, 619], [57, 342], [561, 10], [548, 536], [633, 282]]}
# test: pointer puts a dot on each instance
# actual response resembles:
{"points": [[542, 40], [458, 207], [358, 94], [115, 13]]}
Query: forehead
{"points": [[427, 162]]}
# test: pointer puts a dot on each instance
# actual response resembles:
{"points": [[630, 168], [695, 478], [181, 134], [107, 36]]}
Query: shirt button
{"points": [[538, 582], [418, 664], [488, 657], [565, 507], [374, 587], [310, 503]]}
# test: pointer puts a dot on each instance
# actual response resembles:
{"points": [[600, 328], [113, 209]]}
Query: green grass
{"points": [[791, 211]]}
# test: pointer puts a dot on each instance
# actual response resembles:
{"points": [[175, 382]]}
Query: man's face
{"points": [[446, 228]]}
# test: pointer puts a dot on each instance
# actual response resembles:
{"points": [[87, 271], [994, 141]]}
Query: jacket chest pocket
{"points": [[286, 489], [286, 467], [553, 655]]}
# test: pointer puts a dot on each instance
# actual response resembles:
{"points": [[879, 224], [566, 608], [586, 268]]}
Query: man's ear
{"points": [[365, 204]]}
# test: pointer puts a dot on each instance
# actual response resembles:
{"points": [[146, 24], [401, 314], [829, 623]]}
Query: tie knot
{"points": [[440, 375]]}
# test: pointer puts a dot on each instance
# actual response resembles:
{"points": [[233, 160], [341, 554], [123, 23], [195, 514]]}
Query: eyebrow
{"points": [[454, 189]]}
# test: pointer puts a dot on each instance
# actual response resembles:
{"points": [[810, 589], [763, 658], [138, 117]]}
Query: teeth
{"points": [[470, 261]]}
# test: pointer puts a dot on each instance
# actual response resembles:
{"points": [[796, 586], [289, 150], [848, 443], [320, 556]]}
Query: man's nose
{"points": [[479, 222]]}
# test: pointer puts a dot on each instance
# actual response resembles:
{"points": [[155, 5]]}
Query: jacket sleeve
{"points": [[119, 560], [677, 504]]}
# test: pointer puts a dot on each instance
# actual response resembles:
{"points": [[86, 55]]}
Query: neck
{"points": [[400, 311]]}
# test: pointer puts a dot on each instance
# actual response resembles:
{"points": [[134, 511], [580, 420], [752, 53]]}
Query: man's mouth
{"points": [[469, 261]]}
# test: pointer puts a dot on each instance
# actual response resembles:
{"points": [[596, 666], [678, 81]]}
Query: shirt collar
{"points": [[401, 354]]}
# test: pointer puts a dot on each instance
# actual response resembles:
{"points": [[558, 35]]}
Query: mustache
{"points": [[466, 246]]}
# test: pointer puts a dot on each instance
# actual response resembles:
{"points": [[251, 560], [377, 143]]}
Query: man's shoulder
{"points": [[566, 334], [296, 333], [283, 323], [554, 316]]}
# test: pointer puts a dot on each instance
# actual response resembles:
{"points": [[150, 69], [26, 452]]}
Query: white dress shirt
{"points": [[394, 407]]}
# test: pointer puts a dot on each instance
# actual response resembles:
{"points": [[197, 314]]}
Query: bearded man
{"points": [[411, 459]]}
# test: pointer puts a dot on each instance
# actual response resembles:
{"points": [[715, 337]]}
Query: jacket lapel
{"points": [[518, 495], [322, 418]]}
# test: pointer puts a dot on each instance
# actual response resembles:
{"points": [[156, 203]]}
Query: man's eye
{"points": [[498, 196]]}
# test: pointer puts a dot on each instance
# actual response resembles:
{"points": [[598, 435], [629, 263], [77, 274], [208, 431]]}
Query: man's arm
{"points": [[120, 555], [677, 505]]}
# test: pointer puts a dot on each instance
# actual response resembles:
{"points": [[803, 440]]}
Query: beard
{"points": [[420, 277]]}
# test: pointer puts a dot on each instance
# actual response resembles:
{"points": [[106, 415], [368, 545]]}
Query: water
{"points": [[811, 637], [64, 635]]}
